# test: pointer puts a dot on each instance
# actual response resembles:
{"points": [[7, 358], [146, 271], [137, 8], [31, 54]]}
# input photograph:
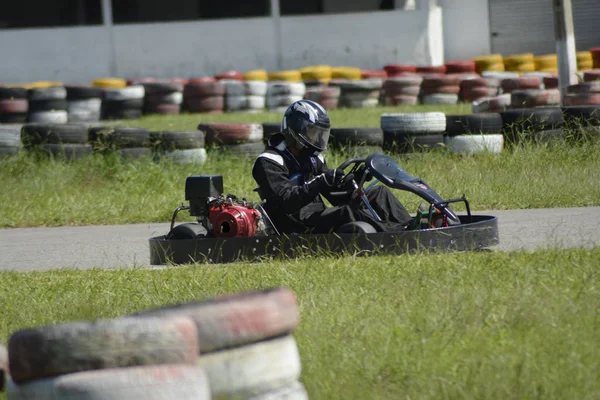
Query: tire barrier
{"points": [[490, 63], [163, 97], [583, 94], [123, 103], [509, 85], [204, 97], [534, 98], [546, 63], [316, 73], [415, 132], [478, 88], [401, 90], [280, 94], [461, 67], [356, 140], [4, 371], [55, 140], [520, 62], [526, 124], [47, 105], [360, 93], [10, 139], [326, 96], [180, 147], [584, 60], [244, 140], [14, 106], [239, 346], [109, 83]]}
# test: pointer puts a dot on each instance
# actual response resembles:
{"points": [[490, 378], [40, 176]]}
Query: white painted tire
{"points": [[48, 117], [256, 102], [185, 156], [10, 135], [235, 103], [251, 370], [293, 391], [255, 88], [364, 103], [414, 123], [281, 101], [54, 350], [233, 87], [440, 98], [170, 98], [492, 104], [500, 74], [84, 116], [165, 382], [49, 93], [363, 84], [280, 88], [85, 105], [473, 144], [127, 93]]}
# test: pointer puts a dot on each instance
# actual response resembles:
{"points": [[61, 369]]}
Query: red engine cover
{"points": [[233, 220]]}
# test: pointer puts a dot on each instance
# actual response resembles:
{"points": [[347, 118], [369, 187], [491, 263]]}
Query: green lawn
{"points": [[446, 326]]}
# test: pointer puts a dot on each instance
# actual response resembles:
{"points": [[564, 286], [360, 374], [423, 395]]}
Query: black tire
{"points": [[136, 152], [174, 140], [519, 125], [122, 114], [407, 143], [13, 93], [188, 230], [356, 136], [118, 105], [48, 105], [102, 137], [83, 92], [19, 118], [582, 115], [473, 124], [270, 128], [357, 227], [36, 134], [70, 152], [49, 93]]}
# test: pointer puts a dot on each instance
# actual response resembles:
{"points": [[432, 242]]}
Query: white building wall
{"points": [[466, 25]]}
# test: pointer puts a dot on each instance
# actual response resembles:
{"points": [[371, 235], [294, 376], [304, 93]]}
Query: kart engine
{"points": [[222, 216]]}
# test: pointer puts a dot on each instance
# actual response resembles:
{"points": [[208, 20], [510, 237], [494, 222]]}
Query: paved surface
{"points": [[27, 249]]}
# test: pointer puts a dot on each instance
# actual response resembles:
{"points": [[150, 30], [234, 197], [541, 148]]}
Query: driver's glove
{"points": [[334, 177]]}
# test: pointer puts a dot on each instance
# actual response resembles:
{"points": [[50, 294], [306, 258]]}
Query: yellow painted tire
{"points": [[493, 62], [346, 73], [256, 75], [520, 62], [109, 83], [498, 67], [41, 84], [584, 56], [288, 76], [316, 73], [583, 65], [548, 61], [553, 70]]}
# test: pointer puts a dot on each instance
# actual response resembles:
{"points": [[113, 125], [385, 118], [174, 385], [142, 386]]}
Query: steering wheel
{"points": [[356, 163]]}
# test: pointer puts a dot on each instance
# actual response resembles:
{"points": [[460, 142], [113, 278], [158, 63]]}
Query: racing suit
{"points": [[292, 190]]}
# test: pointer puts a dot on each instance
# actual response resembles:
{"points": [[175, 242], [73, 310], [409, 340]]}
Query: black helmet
{"points": [[306, 125]]}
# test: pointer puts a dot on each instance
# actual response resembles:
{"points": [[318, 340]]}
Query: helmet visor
{"points": [[317, 136]]}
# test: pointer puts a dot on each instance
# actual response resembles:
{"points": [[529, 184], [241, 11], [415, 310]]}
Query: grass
{"points": [[445, 326]]}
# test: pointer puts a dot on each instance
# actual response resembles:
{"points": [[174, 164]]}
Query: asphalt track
{"points": [[29, 249]]}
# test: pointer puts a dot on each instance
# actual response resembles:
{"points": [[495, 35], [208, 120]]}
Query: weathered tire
{"points": [[518, 125], [14, 106], [492, 104], [250, 370], [49, 93], [582, 99], [189, 230], [356, 136], [10, 135], [440, 98], [135, 153], [582, 115], [163, 382], [360, 103], [169, 98], [3, 362], [69, 151], [400, 100], [183, 156], [255, 88], [410, 143], [535, 98], [172, 140], [231, 133], [48, 117], [473, 124], [321, 93], [233, 87], [161, 87], [237, 320], [75, 92], [472, 144], [204, 89], [13, 93], [162, 109], [89, 105], [54, 350], [35, 134], [48, 105], [236, 103], [107, 136], [17, 118], [431, 122], [275, 88], [127, 93], [205, 104]]}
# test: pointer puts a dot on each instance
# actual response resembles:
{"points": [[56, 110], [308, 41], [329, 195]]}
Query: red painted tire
{"points": [[476, 93], [164, 109], [534, 97], [321, 93], [522, 82], [204, 89], [373, 73], [591, 75], [447, 89], [457, 67], [231, 133], [16, 106], [430, 69], [235, 75], [400, 100], [585, 87], [139, 81], [550, 82], [480, 82], [202, 79], [329, 103], [399, 68], [232, 321], [161, 87], [180, 81], [403, 91], [212, 104], [582, 99], [445, 80], [394, 84]]}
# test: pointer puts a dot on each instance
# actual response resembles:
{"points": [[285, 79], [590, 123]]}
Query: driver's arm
{"points": [[326, 191], [275, 185]]}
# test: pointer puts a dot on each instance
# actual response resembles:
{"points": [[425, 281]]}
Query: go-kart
{"points": [[229, 229]]}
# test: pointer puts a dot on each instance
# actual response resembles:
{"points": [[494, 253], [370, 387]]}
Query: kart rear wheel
{"points": [[189, 230], [357, 227]]}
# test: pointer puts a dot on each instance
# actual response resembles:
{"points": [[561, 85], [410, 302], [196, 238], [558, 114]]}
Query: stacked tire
{"points": [[10, 139], [492, 104], [204, 96], [443, 89], [584, 60], [525, 82], [359, 93], [235, 139], [537, 125], [401, 90], [48, 105], [356, 141], [163, 97], [535, 98], [179, 147], [14, 105], [583, 94], [397, 70], [520, 62], [474, 133], [491, 63], [108, 359], [123, 103], [246, 343], [478, 88], [581, 122], [129, 143], [461, 67], [68, 141], [413, 132], [595, 52], [280, 94], [245, 96], [84, 104], [326, 96]]}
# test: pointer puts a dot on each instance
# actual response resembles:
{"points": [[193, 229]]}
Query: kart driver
{"points": [[292, 175]]}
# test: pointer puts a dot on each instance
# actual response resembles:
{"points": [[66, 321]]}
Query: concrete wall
{"points": [[466, 27], [185, 49]]}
